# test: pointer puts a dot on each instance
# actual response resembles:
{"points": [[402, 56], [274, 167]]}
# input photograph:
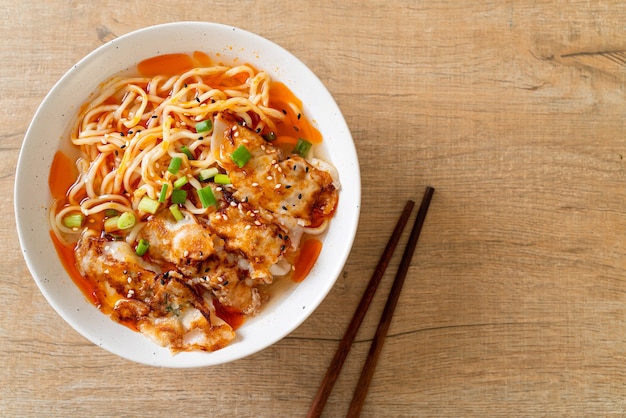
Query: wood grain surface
{"points": [[515, 303]]}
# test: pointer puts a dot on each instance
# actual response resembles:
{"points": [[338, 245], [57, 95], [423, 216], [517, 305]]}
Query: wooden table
{"points": [[515, 303]]}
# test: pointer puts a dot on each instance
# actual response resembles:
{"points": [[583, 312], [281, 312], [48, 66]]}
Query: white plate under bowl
{"points": [[49, 132]]}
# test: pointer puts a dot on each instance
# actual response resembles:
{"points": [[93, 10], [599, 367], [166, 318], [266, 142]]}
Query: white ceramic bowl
{"points": [[49, 131]]}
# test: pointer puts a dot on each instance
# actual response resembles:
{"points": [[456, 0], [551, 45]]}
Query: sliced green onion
{"points": [[110, 224], [241, 156], [142, 247], [302, 147], [207, 198], [110, 212], [270, 137], [187, 152], [221, 179], [204, 126], [149, 205], [74, 220], [180, 182], [207, 173], [175, 165], [178, 215], [179, 196], [163, 194], [126, 220]]}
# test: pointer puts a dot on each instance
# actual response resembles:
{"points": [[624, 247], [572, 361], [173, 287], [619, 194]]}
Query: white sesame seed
{"points": [[106, 271], [255, 184], [277, 186], [218, 216], [263, 147], [225, 217], [186, 253], [247, 227], [257, 223], [233, 204], [129, 279], [219, 189], [236, 134], [268, 177]]}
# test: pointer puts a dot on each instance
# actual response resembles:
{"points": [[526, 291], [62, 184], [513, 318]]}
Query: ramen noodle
{"points": [[197, 187]]}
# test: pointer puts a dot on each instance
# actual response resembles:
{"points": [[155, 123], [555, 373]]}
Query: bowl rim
{"points": [[26, 231]]}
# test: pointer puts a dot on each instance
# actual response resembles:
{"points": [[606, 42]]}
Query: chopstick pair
{"points": [[367, 371]]}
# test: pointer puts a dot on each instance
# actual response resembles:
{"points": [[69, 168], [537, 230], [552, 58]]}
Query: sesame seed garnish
{"points": [[224, 217], [257, 223], [263, 147], [129, 279], [186, 253], [219, 188], [268, 177], [255, 184], [106, 271], [277, 186], [247, 227], [233, 203]]}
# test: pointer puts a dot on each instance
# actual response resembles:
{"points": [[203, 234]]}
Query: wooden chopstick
{"points": [[346, 342], [385, 320]]}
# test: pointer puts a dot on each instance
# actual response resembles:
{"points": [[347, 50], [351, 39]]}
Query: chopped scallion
{"points": [[142, 247], [221, 179], [163, 194], [74, 220], [180, 182], [110, 224], [149, 205], [302, 147], [126, 220], [179, 196], [241, 156], [178, 215], [207, 198], [204, 126], [175, 165], [207, 173], [110, 212], [187, 152]]}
